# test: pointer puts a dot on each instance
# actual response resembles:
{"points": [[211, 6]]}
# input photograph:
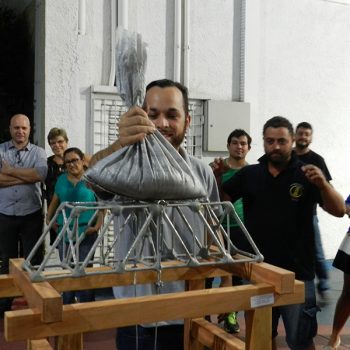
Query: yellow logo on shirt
{"points": [[296, 190]]}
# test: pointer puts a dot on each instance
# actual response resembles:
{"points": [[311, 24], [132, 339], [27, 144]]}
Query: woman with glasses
{"points": [[58, 141], [71, 188]]}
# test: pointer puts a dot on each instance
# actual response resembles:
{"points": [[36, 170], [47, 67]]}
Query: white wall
{"points": [[154, 20], [297, 65], [211, 49], [73, 63], [210, 43]]}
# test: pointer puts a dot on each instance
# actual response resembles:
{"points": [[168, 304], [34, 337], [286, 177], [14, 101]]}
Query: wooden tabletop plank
{"points": [[282, 279]]}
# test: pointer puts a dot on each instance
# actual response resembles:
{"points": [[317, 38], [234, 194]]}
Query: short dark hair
{"points": [[304, 125], [279, 122], [76, 150], [164, 83], [239, 133], [55, 132]]}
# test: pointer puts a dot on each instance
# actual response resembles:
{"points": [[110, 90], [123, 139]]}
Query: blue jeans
{"points": [[168, 337], [299, 320], [321, 267], [82, 296]]}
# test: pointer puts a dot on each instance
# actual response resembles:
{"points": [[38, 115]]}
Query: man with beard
{"points": [[165, 108], [279, 195], [303, 139]]}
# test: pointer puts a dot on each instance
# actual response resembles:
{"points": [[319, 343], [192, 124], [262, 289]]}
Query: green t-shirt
{"points": [[238, 205], [67, 192]]}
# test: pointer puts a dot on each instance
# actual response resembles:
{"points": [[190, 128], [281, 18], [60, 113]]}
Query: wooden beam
{"points": [[293, 298], [214, 337], [38, 295], [8, 288], [101, 280], [39, 344], [191, 285], [69, 341], [87, 317], [283, 280], [259, 328]]}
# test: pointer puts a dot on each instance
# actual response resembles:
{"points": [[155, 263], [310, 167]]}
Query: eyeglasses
{"points": [[60, 142], [72, 161]]}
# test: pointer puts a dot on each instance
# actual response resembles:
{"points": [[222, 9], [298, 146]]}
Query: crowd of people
{"points": [[276, 198]]}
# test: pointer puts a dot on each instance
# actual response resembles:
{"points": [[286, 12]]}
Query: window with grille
{"points": [[107, 107]]}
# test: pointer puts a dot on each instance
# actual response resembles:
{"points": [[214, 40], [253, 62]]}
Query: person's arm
{"points": [[233, 187], [115, 146], [219, 167], [51, 210], [87, 158], [134, 126], [333, 202], [100, 217], [7, 180], [26, 175]]}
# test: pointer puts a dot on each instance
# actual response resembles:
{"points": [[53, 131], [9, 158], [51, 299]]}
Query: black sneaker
{"points": [[231, 324]]}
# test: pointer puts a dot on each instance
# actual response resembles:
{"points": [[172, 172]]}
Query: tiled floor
{"points": [[105, 339]]}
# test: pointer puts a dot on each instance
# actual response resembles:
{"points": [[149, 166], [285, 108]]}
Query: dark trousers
{"points": [[321, 267], [20, 231], [168, 338], [18, 235], [82, 296]]}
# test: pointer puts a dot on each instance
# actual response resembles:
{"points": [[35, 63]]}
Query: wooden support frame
{"points": [[270, 283], [211, 336], [40, 344], [40, 295]]}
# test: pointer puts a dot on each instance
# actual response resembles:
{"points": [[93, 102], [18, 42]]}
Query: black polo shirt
{"points": [[278, 213], [314, 158]]}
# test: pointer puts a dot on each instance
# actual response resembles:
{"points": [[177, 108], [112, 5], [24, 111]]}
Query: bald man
{"points": [[23, 167]]}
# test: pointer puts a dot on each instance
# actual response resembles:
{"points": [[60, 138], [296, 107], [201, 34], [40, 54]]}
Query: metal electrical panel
{"points": [[222, 117]]}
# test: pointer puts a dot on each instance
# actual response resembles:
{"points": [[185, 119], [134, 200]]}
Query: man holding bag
{"points": [[165, 109]]}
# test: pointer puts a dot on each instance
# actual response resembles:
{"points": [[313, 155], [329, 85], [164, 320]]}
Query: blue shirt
{"points": [[24, 199]]}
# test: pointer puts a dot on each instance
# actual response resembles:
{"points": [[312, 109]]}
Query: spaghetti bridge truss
{"points": [[146, 236], [150, 243]]}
